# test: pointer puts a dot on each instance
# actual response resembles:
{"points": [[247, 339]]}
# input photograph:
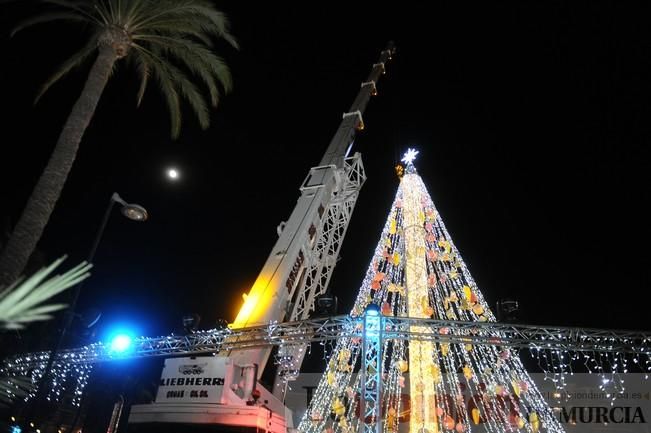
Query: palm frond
{"points": [[103, 13], [185, 87], [46, 18], [112, 10], [177, 27], [214, 21], [172, 99], [144, 73], [165, 9], [192, 95], [166, 85], [201, 61], [170, 41], [83, 8], [193, 16], [132, 11], [73, 61], [22, 302]]}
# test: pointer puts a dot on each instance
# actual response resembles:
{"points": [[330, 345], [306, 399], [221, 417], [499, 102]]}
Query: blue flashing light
{"points": [[120, 339], [120, 343], [15, 429]]}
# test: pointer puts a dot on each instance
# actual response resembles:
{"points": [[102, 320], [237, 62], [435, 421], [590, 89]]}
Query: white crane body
{"points": [[224, 389]]}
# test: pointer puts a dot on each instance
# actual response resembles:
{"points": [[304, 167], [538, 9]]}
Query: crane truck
{"points": [[223, 392]]}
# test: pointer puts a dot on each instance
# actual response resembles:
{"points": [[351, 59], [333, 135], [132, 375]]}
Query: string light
{"points": [[415, 271]]}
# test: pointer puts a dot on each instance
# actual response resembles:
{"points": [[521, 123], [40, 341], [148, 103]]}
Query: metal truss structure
{"points": [[523, 336], [301, 333], [322, 251], [330, 236], [371, 373], [322, 259]]}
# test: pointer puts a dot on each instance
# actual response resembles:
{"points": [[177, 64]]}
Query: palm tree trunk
{"points": [[36, 214]]}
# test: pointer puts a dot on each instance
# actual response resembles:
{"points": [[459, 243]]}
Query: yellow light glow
{"points": [[246, 311], [256, 304], [422, 378]]}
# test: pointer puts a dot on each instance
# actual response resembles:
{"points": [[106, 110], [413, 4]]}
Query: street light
{"points": [[132, 211]]}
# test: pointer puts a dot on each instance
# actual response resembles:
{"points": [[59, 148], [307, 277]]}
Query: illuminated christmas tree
{"points": [[427, 387]]}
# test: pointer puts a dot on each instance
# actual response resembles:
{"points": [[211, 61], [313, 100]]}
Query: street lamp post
{"points": [[132, 211]]}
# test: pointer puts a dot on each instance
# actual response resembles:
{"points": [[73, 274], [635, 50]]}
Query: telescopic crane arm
{"points": [[302, 260], [352, 120]]}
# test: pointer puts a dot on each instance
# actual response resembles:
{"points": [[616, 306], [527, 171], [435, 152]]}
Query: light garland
{"points": [[416, 271], [424, 370], [64, 377]]}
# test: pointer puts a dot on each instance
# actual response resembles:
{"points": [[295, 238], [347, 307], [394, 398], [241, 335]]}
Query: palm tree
{"points": [[26, 302], [169, 41], [22, 302]]}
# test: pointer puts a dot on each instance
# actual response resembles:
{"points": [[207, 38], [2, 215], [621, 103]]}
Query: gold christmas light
{"points": [[421, 376]]}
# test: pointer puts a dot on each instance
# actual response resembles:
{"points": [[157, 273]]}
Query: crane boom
{"points": [[352, 120], [301, 262]]}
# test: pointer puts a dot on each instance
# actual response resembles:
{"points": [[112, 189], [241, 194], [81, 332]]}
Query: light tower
{"points": [[422, 393]]}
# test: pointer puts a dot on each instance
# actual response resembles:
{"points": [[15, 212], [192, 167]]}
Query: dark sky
{"points": [[533, 121]]}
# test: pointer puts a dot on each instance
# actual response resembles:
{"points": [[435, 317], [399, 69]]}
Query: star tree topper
{"points": [[409, 156]]}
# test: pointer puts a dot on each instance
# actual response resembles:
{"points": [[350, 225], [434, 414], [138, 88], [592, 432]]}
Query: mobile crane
{"points": [[223, 390]]}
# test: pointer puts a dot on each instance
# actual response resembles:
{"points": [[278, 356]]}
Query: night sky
{"points": [[533, 121]]}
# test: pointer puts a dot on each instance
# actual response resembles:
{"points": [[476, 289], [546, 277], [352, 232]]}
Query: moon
{"points": [[173, 173]]}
